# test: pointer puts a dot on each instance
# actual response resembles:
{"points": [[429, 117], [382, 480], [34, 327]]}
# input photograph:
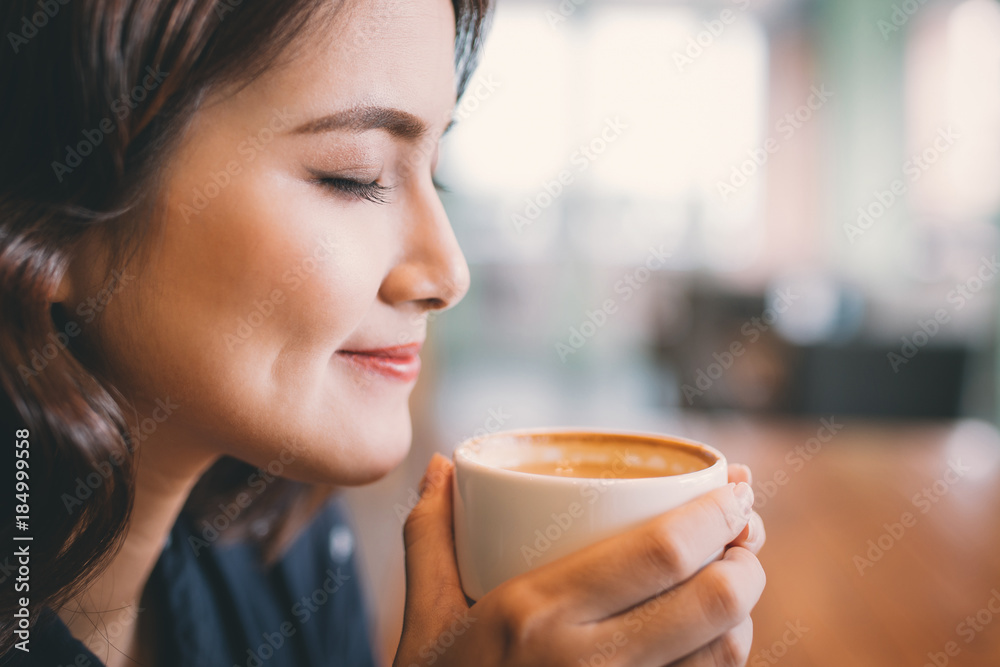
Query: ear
{"points": [[62, 290], [79, 264]]}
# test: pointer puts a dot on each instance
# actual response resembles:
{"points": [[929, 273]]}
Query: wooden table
{"points": [[882, 541], [823, 514]]}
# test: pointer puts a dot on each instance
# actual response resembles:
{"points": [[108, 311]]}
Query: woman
{"points": [[220, 244]]}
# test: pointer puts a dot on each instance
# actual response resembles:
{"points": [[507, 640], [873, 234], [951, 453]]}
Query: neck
{"points": [[166, 472]]}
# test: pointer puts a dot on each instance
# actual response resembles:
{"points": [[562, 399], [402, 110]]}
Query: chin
{"points": [[381, 440], [362, 454], [378, 459]]}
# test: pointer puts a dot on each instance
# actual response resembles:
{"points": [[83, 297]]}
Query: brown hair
{"points": [[95, 95]]}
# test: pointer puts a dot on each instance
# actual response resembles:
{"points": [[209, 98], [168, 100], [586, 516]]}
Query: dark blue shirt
{"points": [[223, 608]]}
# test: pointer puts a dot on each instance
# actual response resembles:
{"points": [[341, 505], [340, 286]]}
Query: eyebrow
{"points": [[398, 123]]}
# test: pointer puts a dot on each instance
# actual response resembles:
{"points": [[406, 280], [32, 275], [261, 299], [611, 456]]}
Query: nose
{"points": [[432, 271]]}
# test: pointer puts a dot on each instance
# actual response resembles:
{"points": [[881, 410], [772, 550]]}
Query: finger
{"points": [[689, 618], [753, 536], [622, 571], [740, 473], [730, 650], [433, 589]]}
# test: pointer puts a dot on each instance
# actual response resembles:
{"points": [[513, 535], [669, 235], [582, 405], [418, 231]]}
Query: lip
{"points": [[398, 362]]}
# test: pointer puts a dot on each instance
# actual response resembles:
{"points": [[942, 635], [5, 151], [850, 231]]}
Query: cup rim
{"points": [[462, 459]]}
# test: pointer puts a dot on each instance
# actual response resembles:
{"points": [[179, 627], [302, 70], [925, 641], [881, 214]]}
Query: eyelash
{"points": [[372, 192]]}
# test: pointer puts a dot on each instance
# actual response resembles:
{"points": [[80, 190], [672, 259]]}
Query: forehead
{"points": [[397, 53]]}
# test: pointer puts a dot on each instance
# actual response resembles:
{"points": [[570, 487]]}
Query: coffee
{"points": [[589, 460], [520, 502]]}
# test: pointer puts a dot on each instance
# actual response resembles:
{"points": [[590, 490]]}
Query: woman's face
{"points": [[278, 259]]}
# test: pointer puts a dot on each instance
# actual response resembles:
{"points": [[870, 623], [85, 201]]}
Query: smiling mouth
{"points": [[400, 362]]}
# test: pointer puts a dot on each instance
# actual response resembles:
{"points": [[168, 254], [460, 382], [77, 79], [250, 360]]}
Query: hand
{"points": [[639, 599], [753, 536]]}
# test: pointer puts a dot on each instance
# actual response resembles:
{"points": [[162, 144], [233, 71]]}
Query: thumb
{"points": [[433, 589]]}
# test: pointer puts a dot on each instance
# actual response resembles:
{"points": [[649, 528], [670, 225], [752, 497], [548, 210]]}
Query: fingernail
{"points": [[751, 531], [759, 534], [435, 469], [744, 495], [425, 480]]}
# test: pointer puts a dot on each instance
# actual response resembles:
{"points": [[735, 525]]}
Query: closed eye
{"points": [[373, 192]]}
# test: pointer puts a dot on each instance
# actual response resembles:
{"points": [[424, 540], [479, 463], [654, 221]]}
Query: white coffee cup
{"points": [[508, 522]]}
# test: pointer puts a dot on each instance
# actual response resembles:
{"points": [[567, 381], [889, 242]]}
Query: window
{"points": [[642, 109]]}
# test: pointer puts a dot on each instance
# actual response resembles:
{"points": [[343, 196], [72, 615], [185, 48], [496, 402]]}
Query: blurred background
{"points": [[730, 220]]}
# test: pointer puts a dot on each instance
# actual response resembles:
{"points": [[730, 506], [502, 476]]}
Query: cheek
{"points": [[240, 309]]}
